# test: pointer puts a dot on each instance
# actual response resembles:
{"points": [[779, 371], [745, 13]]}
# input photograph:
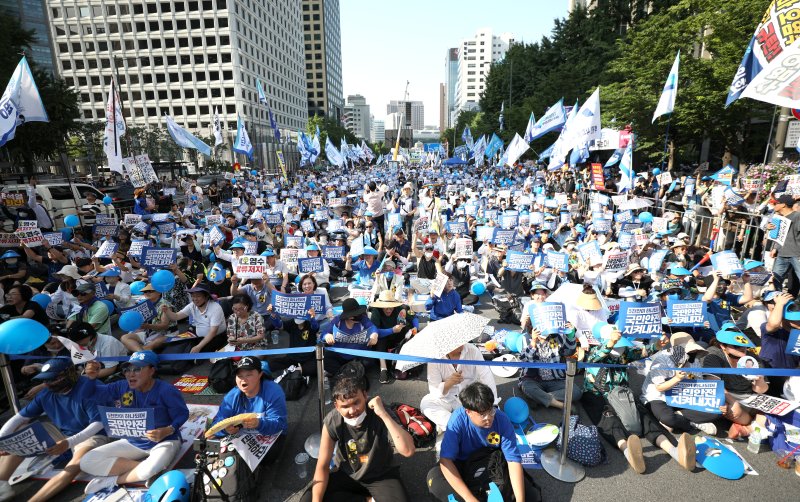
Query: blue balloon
{"points": [[42, 299], [109, 305], [646, 217], [512, 341], [596, 330], [656, 171], [163, 281], [517, 410], [136, 287], [170, 486], [254, 172], [72, 220], [233, 181], [131, 320], [107, 200], [478, 288], [66, 233], [35, 334]]}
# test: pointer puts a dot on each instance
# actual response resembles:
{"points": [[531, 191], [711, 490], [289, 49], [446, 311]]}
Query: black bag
{"points": [[488, 465], [293, 383], [222, 376], [177, 367], [354, 369]]}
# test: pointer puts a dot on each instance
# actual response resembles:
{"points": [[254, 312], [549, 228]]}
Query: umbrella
{"points": [[635, 203], [441, 337]]}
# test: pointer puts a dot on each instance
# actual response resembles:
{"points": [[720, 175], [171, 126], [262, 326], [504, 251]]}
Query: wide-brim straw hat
{"points": [[385, 301], [588, 301]]}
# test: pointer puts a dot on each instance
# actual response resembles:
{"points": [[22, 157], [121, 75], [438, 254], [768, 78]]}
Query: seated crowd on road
{"points": [[405, 247]]}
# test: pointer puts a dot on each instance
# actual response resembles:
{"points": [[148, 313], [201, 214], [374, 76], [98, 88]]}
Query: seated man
{"points": [[255, 394], [478, 435], [92, 310], [131, 460], [207, 319], [361, 431], [445, 381], [85, 335], [68, 400]]}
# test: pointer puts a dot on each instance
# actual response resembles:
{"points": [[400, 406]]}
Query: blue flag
{"points": [[242, 142], [274, 125], [494, 145], [554, 118], [547, 151], [334, 156], [626, 169], [466, 137], [615, 157], [184, 138], [262, 98]]}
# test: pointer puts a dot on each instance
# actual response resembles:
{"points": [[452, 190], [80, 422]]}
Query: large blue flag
{"points": [[547, 151], [242, 142], [554, 118], [184, 138], [494, 145], [466, 137], [20, 102], [615, 157]]}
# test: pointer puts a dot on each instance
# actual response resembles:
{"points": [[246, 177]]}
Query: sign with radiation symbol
{"points": [[493, 438], [127, 399], [743, 340]]}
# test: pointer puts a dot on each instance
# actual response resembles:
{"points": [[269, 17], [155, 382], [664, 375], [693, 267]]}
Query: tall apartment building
{"points": [[442, 107], [413, 112], [32, 15], [356, 116], [184, 58], [323, 58], [451, 77], [475, 56]]}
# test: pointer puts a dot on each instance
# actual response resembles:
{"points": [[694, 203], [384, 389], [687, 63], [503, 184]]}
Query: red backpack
{"points": [[422, 430]]}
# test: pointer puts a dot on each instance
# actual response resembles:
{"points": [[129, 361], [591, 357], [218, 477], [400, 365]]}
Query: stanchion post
{"points": [[320, 382], [8, 382], [559, 466]]}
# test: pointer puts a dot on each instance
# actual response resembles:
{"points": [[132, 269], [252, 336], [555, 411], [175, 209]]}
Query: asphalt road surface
{"points": [[664, 480]]}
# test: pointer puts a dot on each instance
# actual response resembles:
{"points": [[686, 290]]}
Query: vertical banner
{"points": [[598, 180]]}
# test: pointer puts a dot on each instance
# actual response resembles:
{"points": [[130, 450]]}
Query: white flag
{"points": [[115, 129], [334, 156], [79, 354], [20, 103], [217, 129], [529, 129], [776, 82], [515, 150], [666, 102], [560, 147], [586, 125], [242, 142]]}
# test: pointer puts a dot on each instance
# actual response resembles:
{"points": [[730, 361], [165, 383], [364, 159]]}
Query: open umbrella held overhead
{"points": [[441, 337]]}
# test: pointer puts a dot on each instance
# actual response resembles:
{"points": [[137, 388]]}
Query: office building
{"points": [[356, 116], [32, 15], [442, 107], [185, 58], [323, 58], [451, 76], [475, 57], [377, 131], [413, 113]]}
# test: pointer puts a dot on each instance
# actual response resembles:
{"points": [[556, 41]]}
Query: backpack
{"points": [[422, 430], [487, 466], [178, 367], [293, 383], [222, 377], [584, 444]]}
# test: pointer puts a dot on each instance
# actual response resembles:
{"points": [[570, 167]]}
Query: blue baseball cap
{"points": [[143, 358], [768, 296], [112, 272], [370, 251], [312, 247], [734, 338], [268, 252], [236, 245], [52, 368], [791, 312]]}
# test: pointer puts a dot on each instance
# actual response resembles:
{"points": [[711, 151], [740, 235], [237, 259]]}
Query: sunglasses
{"points": [[132, 369]]}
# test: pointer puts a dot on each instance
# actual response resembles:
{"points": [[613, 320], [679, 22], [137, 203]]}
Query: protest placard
{"points": [[537, 218], [142, 227], [8, 240], [226, 208], [308, 265], [107, 219], [519, 262], [31, 237], [100, 290], [12, 199], [793, 344], [422, 224], [106, 250], [601, 225], [624, 216], [557, 261], [331, 253], [307, 226], [548, 317], [25, 224], [30, 441], [616, 261], [664, 178], [503, 236], [727, 263], [250, 247], [438, 284], [639, 320], [484, 234], [107, 230], [167, 228], [656, 260], [54, 238], [297, 306], [686, 313], [252, 447], [235, 201], [250, 266], [293, 240], [358, 338], [146, 308], [132, 219], [154, 259], [770, 405], [457, 227], [751, 184], [625, 240], [659, 225], [590, 252], [127, 423], [509, 220], [136, 248], [699, 395], [463, 247], [781, 230]]}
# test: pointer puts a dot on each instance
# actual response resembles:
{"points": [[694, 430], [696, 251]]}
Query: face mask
{"points": [[721, 290], [461, 264], [429, 255], [323, 240], [12, 261], [389, 275], [355, 422]]}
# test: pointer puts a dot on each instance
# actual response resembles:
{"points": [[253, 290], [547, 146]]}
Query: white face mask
{"points": [[429, 255], [355, 422], [12, 261], [323, 240], [461, 264]]}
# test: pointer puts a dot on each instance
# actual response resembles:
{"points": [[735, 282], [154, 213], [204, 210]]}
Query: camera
{"points": [[206, 445]]}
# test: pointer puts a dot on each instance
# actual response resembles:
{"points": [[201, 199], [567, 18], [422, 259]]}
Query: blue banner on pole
{"points": [[700, 395]]}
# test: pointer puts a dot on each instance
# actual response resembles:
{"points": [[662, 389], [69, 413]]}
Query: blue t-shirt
{"points": [[356, 337], [720, 309], [71, 412], [462, 437], [168, 405], [270, 402], [363, 271]]}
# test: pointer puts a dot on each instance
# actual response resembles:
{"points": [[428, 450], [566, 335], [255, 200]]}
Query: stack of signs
{"points": [[154, 259], [548, 317], [727, 263], [519, 262], [686, 313], [250, 266], [781, 230], [297, 306], [615, 261], [639, 320], [308, 265], [699, 395]]}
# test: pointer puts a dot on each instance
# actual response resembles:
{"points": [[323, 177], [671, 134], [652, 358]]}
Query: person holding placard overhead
{"points": [[720, 301], [788, 256]]}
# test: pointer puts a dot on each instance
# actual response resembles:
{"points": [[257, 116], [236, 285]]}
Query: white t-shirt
{"points": [[108, 346], [204, 320]]}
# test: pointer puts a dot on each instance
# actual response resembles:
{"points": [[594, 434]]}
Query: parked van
{"points": [[61, 199]]}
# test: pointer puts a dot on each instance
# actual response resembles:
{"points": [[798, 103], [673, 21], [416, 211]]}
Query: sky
{"points": [[386, 43]]}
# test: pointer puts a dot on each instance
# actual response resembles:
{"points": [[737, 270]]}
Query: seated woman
{"points": [[388, 280], [245, 326], [309, 286], [351, 329], [447, 304], [135, 460], [302, 333], [254, 393], [19, 305], [395, 322], [151, 335]]}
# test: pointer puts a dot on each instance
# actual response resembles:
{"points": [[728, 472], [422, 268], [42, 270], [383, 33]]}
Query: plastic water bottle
{"points": [[326, 384], [275, 337]]}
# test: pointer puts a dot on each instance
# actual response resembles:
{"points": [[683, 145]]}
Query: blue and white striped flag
{"points": [[666, 103], [626, 169], [20, 102], [184, 138], [529, 129], [242, 142]]}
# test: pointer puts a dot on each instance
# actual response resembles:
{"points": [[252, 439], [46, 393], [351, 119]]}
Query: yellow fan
{"points": [[234, 420]]}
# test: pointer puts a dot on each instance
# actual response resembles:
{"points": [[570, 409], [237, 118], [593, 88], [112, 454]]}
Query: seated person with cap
{"points": [[387, 279], [119, 291], [69, 401], [478, 435], [362, 434], [92, 310], [102, 345], [363, 268], [395, 322], [351, 329], [398, 248], [720, 302], [323, 278], [255, 393], [138, 459], [207, 319], [151, 335], [448, 303]]}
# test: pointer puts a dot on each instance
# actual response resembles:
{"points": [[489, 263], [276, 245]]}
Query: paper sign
{"points": [[147, 308], [289, 255], [253, 447], [132, 219], [519, 262], [639, 320], [250, 266], [770, 405], [191, 384], [155, 259], [136, 248], [107, 250], [793, 344], [54, 238], [333, 252], [557, 261], [781, 230], [484, 234], [308, 265], [616, 261], [457, 227], [700, 395], [26, 224], [31, 237], [548, 317], [8, 240], [13, 199], [590, 252], [30, 441], [686, 313], [106, 230], [297, 306], [438, 284], [601, 225], [727, 263], [463, 247], [215, 236], [503, 236], [127, 423]]}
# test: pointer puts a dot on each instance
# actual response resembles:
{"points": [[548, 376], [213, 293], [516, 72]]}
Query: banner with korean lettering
{"points": [[127, 423], [686, 313], [154, 259], [639, 320], [54, 238], [598, 180], [548, 317], [590, 252], [297, 306], [333, 252], [699, 395], [31, 237], [557, 261], [252, 447], [308, 265], [136, 248], [250, 266], [503, 236], [616, 261], [107, 250], [519, 262], [727, 263], [146, 308], [30, 441]]}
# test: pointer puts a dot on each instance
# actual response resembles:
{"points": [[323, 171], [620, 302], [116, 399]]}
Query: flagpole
{"points": [[666, 142], [769, 139]]}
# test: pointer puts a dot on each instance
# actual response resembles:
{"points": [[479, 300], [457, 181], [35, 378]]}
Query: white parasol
{"points": [[635, 204], [441, 337]]}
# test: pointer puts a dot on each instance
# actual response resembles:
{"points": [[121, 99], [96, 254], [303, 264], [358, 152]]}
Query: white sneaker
{"points": [[100, 483], [6, 491], [708, 429]]}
